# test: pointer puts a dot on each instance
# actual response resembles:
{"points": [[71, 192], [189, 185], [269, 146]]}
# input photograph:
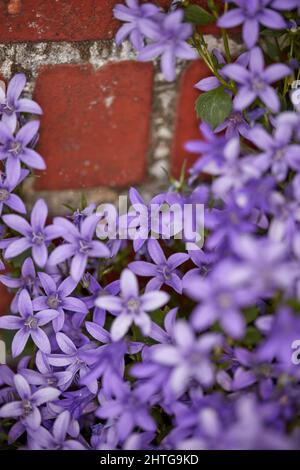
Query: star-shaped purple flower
{"points": [[80, 245], [57, 297], [133, 15], [163, 270], [252, 13], [131, 307], [11, 105], [29, 325], [15, 149], [255, 82], [35, 235], [169, 40], [27, 408], [8, 184]]}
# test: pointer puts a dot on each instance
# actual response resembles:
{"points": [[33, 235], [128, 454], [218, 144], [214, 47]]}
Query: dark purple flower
{"points": [[131, 307], [251, 13], [80, 245], [27, 409], [133, 15], [57, 297], [15, 149], [35, 235], [28, 325], [255, 82], [163, 270], [11, 105]]}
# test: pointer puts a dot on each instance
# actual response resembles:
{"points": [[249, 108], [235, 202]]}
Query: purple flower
{"points": [[255, 82], [188, 357], [43, 439], [27, 409], [7, 198], [234, 126], [28, 280], [163, 271], [72, 360], [211, 149], [286, 5], [15, 150], [35, 235], [127, 409], [131, 307], [11, 105], [29, 325], [46, 375], [221, 296], [97, 290], [251, 13], [169, 40], [58, 298], [284, 330], [80, 245], [133, 15], [278, 152]]}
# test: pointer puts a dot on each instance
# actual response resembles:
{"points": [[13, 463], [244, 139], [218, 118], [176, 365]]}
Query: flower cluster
{"points": [[121, 344]]}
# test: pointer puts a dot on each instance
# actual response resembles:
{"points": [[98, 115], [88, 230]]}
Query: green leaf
{"points": [[197, 15], [214, 106]]}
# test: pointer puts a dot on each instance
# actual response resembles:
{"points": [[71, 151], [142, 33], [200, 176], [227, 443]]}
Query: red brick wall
{"points": [[109, 122]]}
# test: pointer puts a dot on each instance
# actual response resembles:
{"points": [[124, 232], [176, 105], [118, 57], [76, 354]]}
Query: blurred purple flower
{"points": [[134, 15], [251, 13], [255, 82], [169, 40]]}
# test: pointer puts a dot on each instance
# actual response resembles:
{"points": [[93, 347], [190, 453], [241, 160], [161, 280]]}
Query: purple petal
{"points": [[40, 338], [22, 387], [154, 300], [129, 284], [40, 255], [78, 266], [120, 326]]}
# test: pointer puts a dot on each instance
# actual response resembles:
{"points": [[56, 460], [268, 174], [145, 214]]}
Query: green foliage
{"points": [[214, 106]]}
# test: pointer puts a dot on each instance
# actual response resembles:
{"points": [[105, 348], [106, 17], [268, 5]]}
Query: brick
{"points": [[187, 124], [5, 300], [95, 127], [57, 20]]}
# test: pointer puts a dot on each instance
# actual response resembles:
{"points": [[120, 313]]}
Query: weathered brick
{"points": [[95, 127], [57, 20], [187, 124]]}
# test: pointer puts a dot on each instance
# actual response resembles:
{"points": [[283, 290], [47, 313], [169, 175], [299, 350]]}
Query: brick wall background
{"points": [[109, 122]]}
